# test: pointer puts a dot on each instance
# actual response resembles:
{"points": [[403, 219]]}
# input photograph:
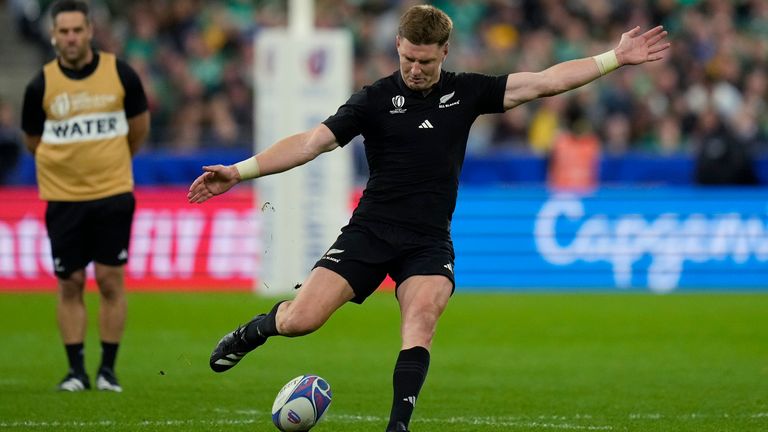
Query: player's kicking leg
{"points": [[235, 344], [321, 294]]}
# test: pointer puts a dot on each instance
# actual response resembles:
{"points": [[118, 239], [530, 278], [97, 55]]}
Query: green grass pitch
{"points": [[500, 362]]}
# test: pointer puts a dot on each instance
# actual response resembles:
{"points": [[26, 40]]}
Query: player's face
{"points": [[72, 34], [420, 64]]}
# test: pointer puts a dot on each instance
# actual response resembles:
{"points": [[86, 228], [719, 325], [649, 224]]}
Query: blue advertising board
{"points": [[630, 238]]}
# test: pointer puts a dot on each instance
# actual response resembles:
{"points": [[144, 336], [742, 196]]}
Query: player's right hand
{"points": [[215, 180]]}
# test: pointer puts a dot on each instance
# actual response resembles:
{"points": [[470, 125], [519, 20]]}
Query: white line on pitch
{"points": [[342, 419], [476, 421], [256, 416], [337, 418]]}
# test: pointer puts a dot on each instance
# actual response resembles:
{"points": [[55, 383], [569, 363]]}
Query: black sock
{"points": [[76, 358], [263, 328], [410, 372], [108, 355]]}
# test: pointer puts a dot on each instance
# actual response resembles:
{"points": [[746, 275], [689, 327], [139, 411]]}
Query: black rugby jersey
{"points": [[415, 145]]}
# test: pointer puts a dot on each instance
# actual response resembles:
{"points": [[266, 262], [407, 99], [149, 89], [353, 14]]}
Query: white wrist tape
{"points": [[606, 62], [248, 168]]}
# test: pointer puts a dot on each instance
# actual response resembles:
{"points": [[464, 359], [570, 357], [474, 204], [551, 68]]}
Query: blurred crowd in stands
{"points": [[195, 59]]}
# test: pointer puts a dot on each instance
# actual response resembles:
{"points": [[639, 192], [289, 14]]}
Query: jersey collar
{"points": [[406, 90], [81, 73]]}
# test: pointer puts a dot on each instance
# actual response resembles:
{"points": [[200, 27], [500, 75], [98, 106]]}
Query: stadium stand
{"points": [[195, 59]]}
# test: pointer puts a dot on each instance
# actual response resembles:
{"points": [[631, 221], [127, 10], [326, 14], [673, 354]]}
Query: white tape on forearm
{"points": [[248, 168], [606, 62]]}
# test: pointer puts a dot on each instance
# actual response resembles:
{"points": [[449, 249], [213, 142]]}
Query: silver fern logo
{"points": [[445, 98]]}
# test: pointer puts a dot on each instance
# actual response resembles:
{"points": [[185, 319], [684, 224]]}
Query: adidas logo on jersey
{"points": [[426, 125]]}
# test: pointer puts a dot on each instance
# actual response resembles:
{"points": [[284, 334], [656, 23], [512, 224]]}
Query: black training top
{"points": [[33, 115], [415, 145]]}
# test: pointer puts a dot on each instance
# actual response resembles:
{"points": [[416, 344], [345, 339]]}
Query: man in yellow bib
{"points": [[84, 117]]}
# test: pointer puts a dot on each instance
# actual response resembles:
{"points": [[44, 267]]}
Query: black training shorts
{"points": [[365, 253], [85, 231]]}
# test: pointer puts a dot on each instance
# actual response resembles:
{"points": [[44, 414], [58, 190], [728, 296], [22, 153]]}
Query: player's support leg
{"points": [[422, 301], [72, 320], [112, 311], [320, 296]]}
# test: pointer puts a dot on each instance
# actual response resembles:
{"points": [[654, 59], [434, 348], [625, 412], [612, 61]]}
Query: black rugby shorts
{"points": [[85, 231], [365, 253]]}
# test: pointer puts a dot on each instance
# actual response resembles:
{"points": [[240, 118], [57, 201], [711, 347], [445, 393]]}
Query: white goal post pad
{"points": [[301, 78]]}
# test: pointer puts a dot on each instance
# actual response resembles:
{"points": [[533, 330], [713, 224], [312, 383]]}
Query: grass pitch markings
{"points": [[257, 417], [341, 418]]}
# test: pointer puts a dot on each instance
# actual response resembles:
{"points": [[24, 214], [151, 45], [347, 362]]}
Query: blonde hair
{"points": [[425, 25]]}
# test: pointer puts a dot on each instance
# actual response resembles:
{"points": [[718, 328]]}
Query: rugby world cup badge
{"points": [[60, 106], [398, 101]]}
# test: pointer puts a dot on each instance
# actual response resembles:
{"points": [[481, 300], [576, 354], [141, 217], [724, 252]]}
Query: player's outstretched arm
{"points": [[633, 48], [215, 180], [285, 154]]}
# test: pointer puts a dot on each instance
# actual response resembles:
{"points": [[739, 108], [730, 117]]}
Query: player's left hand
{"points": [[216, 180], [635, 48]]}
